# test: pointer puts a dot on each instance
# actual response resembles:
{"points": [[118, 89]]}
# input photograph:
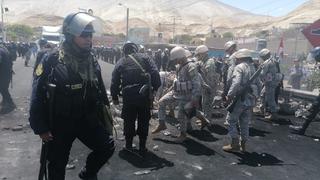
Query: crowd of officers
{"points": [[196, 83], [69, 99], [9, 52]]}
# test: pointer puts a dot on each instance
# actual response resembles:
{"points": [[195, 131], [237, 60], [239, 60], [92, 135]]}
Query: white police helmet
{"points": [[77, 23]]}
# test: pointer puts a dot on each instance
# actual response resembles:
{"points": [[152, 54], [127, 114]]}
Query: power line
{"points": [[263, 5], [277, 8]]}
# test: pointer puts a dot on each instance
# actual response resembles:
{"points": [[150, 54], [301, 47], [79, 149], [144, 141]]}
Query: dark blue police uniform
{"points": [[128, 77], [75, 115], [5, 78]]}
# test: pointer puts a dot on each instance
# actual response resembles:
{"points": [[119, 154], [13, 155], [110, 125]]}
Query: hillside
{"points": [[306, 13], [189, 16], [188, 13]]}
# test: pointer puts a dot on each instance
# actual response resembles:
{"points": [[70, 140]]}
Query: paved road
{"points": [[274, 153]]}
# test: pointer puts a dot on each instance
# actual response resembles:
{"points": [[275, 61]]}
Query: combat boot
{"points": [[189, 127], [243, 146], [142, 146], [129, 140], [181, 138], [204, 123], [234, 146], [274, 116], [267, 116], [84, 175], [162, 126]]}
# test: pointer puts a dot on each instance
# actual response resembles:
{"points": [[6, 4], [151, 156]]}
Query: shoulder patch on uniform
{"points": [[39, 69]]}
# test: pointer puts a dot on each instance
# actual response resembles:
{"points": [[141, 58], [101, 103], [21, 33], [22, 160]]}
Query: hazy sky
{"points": [[266, 7]]}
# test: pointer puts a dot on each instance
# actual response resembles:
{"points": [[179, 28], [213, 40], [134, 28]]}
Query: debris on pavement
{"points": [[156, 148], [17, 128], [70, 166], [170, 152], [247, 173], [197, 166], [142, 172], [189, 176], [166, 133]]}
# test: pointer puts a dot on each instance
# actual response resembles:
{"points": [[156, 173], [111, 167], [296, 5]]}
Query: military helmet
{"points": [[42, 42], [78, 23], [129, 48], [315, 53], [201, 49], [243, 53], [229, 44], [177, 53], [188, 53], [264, 52]]}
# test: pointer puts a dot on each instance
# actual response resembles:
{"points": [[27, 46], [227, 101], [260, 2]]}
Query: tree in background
{"points": [[19, 32], [262, 34], [181, 39], [228, 35]]}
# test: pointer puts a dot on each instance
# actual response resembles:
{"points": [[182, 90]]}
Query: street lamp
{"points": [[3, 10], [127, 27]]}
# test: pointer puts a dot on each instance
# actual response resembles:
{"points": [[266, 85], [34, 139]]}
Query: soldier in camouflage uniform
{"points": [[230, 48], [185, 93], [241, 113], [208, 72], [271, 79]]}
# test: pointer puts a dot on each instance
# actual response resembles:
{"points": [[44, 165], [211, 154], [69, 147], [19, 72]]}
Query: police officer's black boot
{"points": [[86, 176], [129, 140], [142, 146]]}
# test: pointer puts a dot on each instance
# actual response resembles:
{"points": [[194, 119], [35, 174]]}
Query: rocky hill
{"points": [[189, 16]]}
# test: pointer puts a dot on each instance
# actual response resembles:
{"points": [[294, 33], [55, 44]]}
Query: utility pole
{"points": [[174, 26], [2, 22], [127, 33], [127, 27]]}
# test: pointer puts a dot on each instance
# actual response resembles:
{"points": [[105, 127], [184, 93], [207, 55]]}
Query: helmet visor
{"points": [[83, 23]]}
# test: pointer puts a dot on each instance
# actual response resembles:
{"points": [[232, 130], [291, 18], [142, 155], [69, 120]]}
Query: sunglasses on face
{"points": [[86, 35]]}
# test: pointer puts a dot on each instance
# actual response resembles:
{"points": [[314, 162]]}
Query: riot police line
{"points": [[69, 99]]}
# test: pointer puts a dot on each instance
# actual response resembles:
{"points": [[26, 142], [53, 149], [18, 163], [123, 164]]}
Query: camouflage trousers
{"points": [[240, 116], [269, 102], [169, 100], [207, 100]]}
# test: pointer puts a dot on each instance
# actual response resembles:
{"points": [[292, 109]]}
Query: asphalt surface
{"points": [[273, 152]]}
